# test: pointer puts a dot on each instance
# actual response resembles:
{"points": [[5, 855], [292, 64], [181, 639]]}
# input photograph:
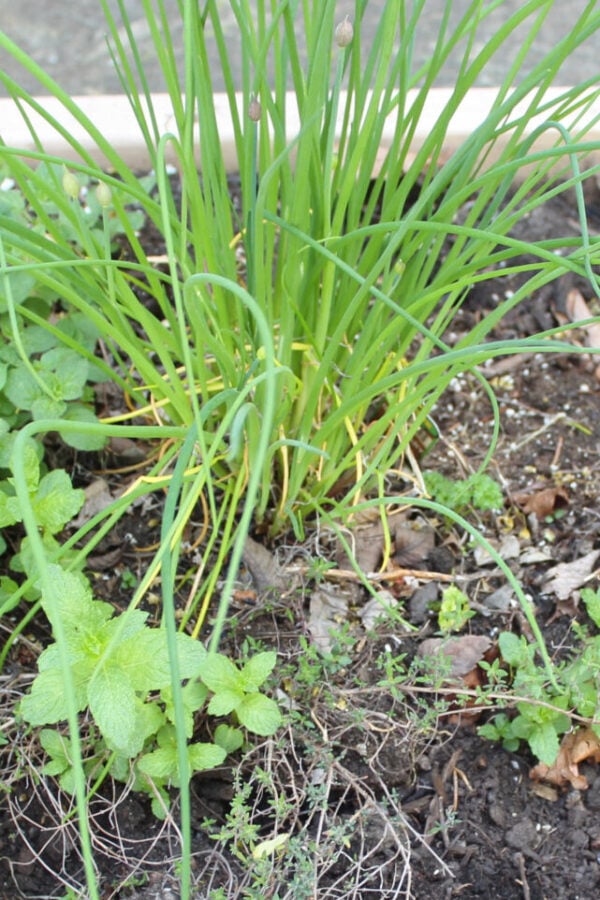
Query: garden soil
{"points": [[410, 801]]}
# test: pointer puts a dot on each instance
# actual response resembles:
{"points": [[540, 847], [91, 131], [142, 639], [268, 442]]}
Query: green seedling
{"points": [[543, 718], [479, 491], [455, 610], [54, 501]]}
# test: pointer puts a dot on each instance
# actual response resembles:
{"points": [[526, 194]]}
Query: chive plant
{"points": [[299, 339], [313, 362], [345, 268]]}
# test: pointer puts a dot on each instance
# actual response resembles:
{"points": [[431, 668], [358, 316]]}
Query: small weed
{"points": [[479, 491], [543, 715], [129, 580], [455, 610]]}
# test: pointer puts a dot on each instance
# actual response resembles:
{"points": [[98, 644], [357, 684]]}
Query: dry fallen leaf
{"points": [[328, 609], [266, 573], [575, 748], [544, 502], [410, 546], [97, 498], [532, 555], [577, 310], [377, 608], [464, 652], [508, 548], [565, 578]]}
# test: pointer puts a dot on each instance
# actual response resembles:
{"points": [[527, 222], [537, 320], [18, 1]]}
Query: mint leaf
{"points": [[193, 695], [8, 590], [230, 739], [31, 465], [112, 703], [544, 743], [56, 501], [225, 702], [149, 718], [145, 658], [58, 748], [591, 599], [46, 407], [10, 510], [160, 764], [77, 412], [219, 674], [257, 670], [46, 703], [205, 756], [69, 370], [21, 388], [513, 649], [79, 613], [259, 714]]}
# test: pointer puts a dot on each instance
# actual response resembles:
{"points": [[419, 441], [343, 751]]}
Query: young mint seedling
{"points": [[115, 662], [236, 690], [53, 498]]}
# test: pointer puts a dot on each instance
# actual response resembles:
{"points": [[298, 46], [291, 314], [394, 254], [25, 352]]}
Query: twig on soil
{"points": [[523, 876], [539, 431], [456, 692], [390, 575]]}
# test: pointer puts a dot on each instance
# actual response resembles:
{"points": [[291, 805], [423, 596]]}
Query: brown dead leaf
{"points": [[377, 608], [103, 562], [328, 610], [544, 502], [97, 498], [545, 791], [577, 310], [565, 578], [508, 548], [576, 747], [266, 572], [410, 545], [126, 452], [464, 652]]}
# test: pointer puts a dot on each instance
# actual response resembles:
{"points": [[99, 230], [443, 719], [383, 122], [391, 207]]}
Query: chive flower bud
{"points": [[103, 195], [344, 33], [254, 110], [71, 185]]}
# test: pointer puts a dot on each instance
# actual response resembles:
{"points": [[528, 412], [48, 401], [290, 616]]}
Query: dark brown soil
{"points": [[380, 796]]}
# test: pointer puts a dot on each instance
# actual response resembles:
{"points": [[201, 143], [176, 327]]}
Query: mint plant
{"points": [[121, 672], [53, 499]]}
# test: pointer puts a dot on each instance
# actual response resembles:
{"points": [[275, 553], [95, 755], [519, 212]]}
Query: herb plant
{"points": [[544, 711], [479, 491], [284, 385], [122, 673]]}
